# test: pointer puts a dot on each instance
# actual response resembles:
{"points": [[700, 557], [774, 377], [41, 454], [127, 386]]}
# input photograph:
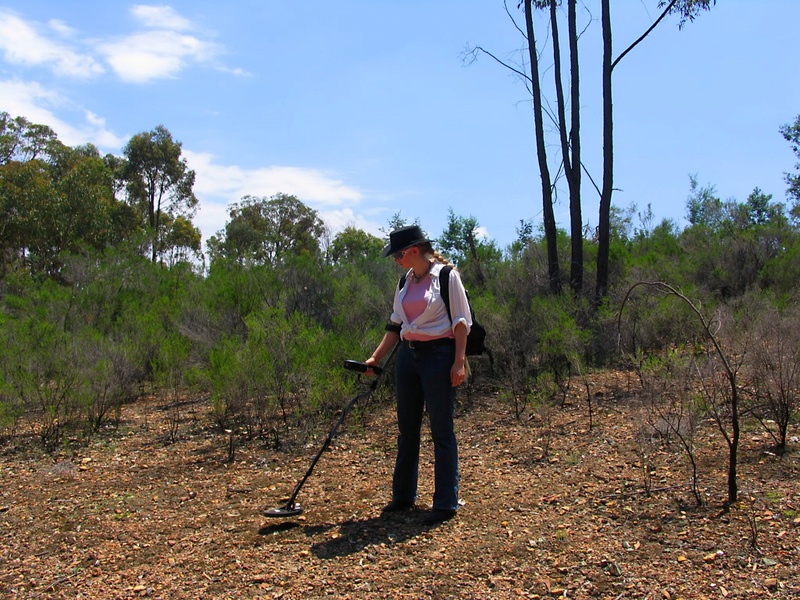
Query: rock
{"points": [[771, 583]]}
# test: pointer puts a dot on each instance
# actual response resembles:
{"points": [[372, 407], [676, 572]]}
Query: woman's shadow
{"points": [[359, 536]]}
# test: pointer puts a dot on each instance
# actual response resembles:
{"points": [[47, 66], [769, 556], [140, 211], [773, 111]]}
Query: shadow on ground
{"points": [[358, 536]]}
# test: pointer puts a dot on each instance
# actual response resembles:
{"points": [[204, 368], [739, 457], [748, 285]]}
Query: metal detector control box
{"points": [[354, 365]]}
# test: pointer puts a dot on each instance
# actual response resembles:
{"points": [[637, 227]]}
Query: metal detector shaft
{"points": [[290, 503]]}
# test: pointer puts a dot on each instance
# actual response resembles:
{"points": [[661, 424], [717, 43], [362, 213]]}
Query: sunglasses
{"points": [[400, 254]]}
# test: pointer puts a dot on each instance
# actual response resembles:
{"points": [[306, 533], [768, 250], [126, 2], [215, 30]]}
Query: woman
{"points": [[431, 362]]}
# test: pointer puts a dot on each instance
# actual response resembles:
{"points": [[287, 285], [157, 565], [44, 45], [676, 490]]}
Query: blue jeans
{"points": [[423, 381]]}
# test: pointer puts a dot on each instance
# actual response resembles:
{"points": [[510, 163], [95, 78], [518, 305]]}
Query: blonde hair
{"points": [[427, 250]]}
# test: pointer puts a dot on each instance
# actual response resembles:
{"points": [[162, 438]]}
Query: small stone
{"points": [[769, 562], [771, 583]]}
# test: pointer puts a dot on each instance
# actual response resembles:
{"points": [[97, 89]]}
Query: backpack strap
{"points": [[444, 287]]}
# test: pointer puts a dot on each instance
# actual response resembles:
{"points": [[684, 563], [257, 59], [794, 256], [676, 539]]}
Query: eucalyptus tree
{"points": [[268, 231], [268, 255], [462, 243], [21, 140], [180, 239], [352, 244], [25, 181], [791, 133], [570, 136], [24, 186], [53, 198], [158, 180]]}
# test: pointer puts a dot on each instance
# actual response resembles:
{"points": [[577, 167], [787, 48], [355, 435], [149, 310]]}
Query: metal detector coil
{"points": [[284, 511]]}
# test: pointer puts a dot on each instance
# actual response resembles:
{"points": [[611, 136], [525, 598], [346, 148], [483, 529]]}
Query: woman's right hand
{"points": [[371, 362]]}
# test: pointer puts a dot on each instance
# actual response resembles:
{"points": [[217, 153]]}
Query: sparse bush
{"points": [[169, 371], [226, 381], [110, 376], [774, 364], [541, 402], [717, 371], [560, 341], [672, 413]]}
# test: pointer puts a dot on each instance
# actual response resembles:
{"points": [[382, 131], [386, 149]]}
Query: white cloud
{"points": [[338, 220], [210, 218], [217, 186], [161, 48], [160, 17], [311, 186], [154, 54], [161, 51], [237, 71], [37, 104], [99, 133], [21, 44], [61, 28], [28, 99]]}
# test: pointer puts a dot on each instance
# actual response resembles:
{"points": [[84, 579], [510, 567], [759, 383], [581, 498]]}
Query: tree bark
{"points": [[604, 217], [570, 139], [541, 153], [576, 215]]}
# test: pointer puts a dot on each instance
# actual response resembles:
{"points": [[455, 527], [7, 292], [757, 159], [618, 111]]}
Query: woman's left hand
{"points": [[458, 373]]}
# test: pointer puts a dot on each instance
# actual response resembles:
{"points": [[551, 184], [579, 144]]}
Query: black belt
{"points": [[428, 344]]}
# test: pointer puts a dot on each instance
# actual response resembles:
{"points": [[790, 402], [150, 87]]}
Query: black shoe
{"points": [[398, 506], [438, 515]]}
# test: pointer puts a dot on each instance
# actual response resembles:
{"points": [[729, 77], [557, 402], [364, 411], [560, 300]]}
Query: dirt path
{"points": [[548, 513]]}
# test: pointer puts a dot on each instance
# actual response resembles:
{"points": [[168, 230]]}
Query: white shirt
{"points": [[433, 322]]}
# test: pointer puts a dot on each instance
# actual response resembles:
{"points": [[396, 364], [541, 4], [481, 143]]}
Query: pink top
{"points": [[418, 297]]}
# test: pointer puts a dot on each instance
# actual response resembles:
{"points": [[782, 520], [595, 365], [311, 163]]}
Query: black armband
{"points": [[393, 327]]}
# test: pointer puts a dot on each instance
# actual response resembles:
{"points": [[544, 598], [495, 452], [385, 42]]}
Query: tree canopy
{"points": [[158, 181], [268, 230]]}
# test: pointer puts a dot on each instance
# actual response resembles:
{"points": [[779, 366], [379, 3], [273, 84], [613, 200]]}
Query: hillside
{"points": [[549, 511]]}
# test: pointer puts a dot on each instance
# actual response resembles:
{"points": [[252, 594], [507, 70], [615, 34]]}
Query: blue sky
{"points": [[363, 108]]}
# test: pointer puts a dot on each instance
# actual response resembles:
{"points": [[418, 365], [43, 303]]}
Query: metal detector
{"points": [[291, 508]]}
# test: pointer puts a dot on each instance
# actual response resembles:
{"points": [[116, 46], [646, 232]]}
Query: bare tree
{"points": [[718, 378], [688, 10], [541, 154], [570, 138], [775, 373], [569, 130]]}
